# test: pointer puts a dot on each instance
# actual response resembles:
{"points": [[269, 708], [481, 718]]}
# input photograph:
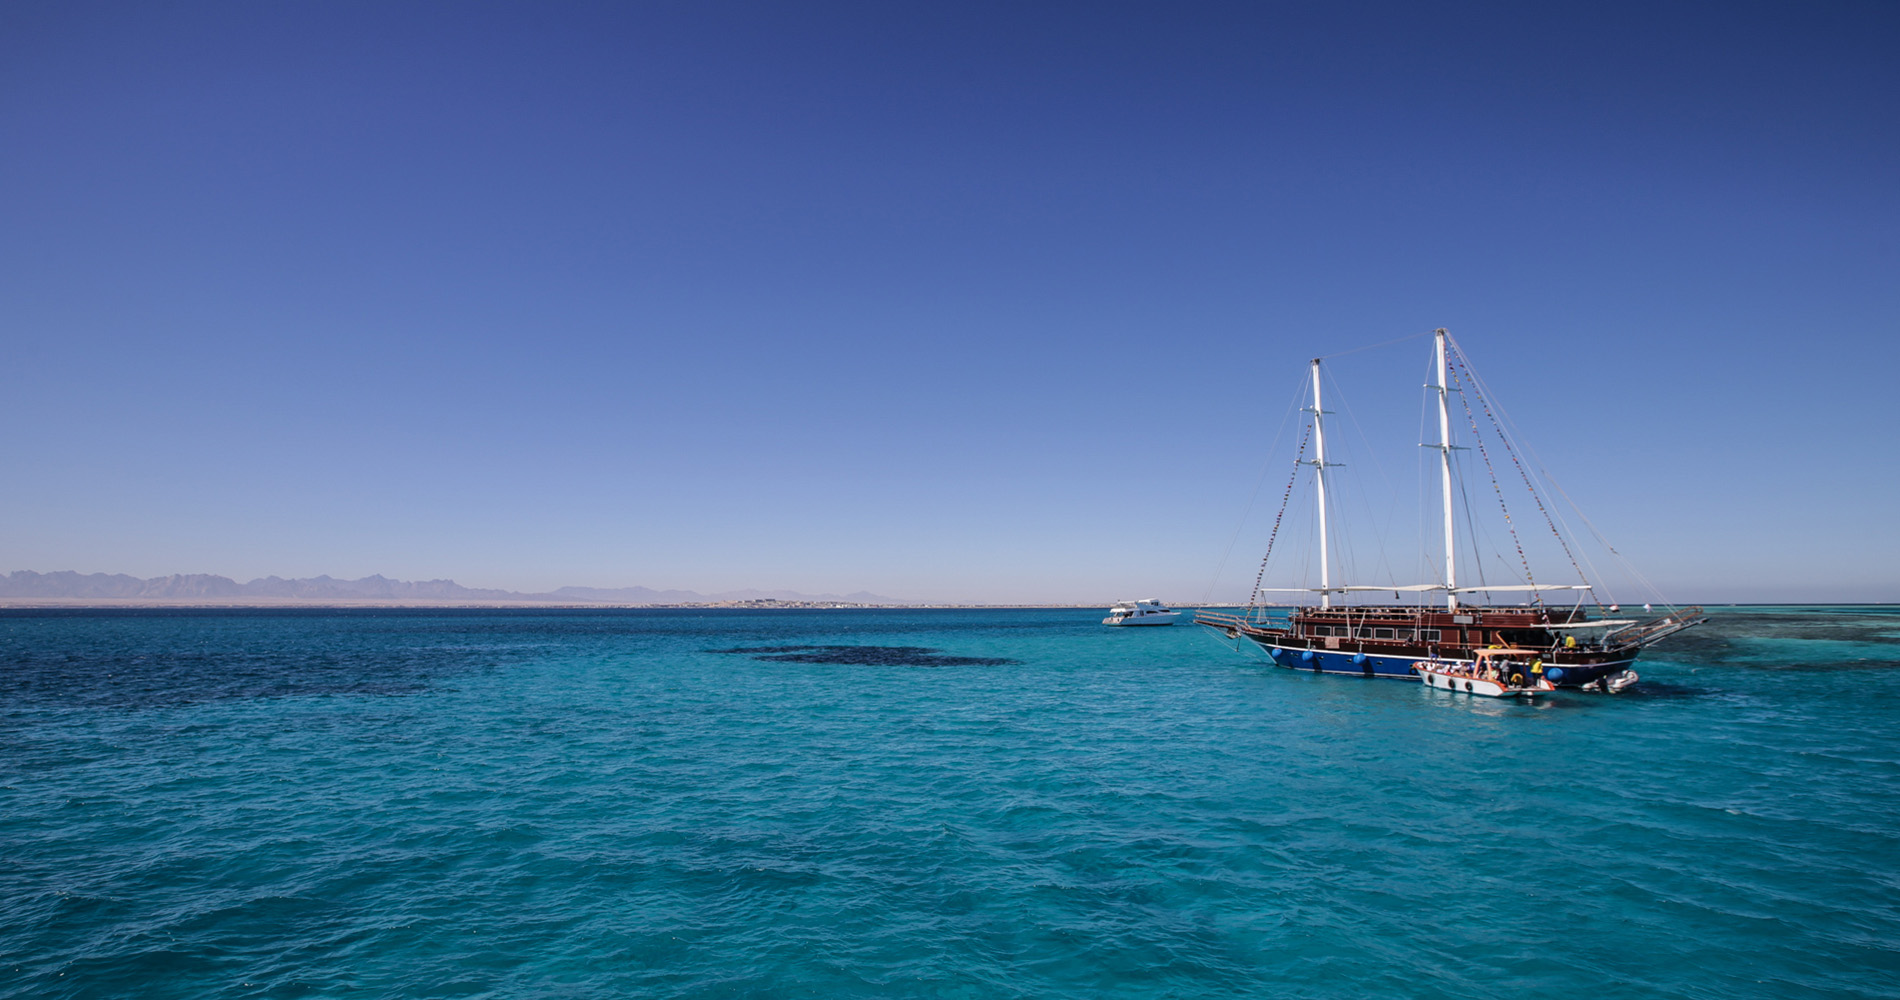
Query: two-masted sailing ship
{"points": [[1576, 645]]}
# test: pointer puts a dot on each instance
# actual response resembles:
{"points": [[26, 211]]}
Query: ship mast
{"points": [[1319, 463], [1444, 467]]}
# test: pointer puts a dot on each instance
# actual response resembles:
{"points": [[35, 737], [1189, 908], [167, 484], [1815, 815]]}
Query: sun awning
{"points": [[1526, 586], [1416, 588]]}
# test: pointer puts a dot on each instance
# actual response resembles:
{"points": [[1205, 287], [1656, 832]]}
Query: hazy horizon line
{"points": [[73, 589], [74, 585]]}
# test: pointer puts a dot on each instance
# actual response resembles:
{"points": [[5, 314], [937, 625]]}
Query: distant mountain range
{"points": [[204, 586]]}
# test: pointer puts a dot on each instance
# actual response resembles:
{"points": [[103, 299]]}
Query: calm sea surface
{"points": [[925, 804]]}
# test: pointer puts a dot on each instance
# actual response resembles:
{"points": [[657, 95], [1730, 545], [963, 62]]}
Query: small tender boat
{"points": [[1148, 612], [1494, 673], [1614, 683]]}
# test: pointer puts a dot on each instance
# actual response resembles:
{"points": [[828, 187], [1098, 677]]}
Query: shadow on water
{"points": [[866, 656], [159, 658], [1648, 690], [171, 679]]}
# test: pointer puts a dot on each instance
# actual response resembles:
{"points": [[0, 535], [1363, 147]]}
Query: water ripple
{"points": [[608, 804]]}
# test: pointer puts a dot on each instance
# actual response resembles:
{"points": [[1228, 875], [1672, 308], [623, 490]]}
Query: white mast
{"points": [[1444, 469], [1319, 461]]}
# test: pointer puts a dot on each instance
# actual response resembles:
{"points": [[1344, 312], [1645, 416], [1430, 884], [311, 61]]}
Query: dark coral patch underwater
{"points": [[868, 656]]}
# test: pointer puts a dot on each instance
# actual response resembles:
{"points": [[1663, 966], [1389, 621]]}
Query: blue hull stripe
{"points": [[1400, 667]]}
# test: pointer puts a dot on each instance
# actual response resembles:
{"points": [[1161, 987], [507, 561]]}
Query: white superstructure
{"points": [[1147, 612]]}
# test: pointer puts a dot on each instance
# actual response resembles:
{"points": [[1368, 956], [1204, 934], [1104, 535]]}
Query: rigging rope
{"points": [[1522, 473], [1253, 600], [1509, 525], [1258, 482]]}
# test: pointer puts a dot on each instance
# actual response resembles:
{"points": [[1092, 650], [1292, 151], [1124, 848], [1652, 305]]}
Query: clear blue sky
{"points": [[953, 301]]}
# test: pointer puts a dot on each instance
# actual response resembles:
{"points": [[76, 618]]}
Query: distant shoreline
{"points": [[260, 603], [98, 603]]}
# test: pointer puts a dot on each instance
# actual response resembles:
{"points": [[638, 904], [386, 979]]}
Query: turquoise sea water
{"points": [[925, 804]]}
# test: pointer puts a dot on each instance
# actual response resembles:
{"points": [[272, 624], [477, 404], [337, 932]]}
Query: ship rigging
{"points": [[1577, 646]]}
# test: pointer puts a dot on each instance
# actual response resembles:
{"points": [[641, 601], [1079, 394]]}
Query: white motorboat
{"points": [[1494, 673], [1616, 683], [1148, 612]]}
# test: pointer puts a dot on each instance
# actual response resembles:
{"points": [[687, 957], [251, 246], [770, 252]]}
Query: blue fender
{"points": [[1554, 674], [1307, 656], [1358, 659], [1277, 655]]}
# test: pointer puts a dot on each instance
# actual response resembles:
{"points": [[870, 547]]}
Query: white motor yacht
{"points": [[1149, 612]]}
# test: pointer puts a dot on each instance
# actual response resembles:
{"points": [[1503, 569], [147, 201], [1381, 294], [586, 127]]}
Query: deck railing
{"points": [[1650, 631], [1228, 623]]}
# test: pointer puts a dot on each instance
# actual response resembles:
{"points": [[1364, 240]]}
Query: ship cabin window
{"points": [[1319, 630], [1402, 633], [1382, 633], [1365, 633], [1428, 634]]}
